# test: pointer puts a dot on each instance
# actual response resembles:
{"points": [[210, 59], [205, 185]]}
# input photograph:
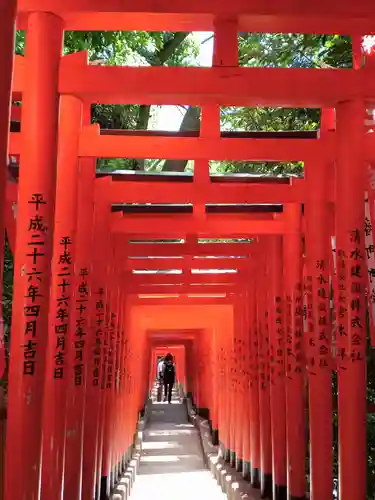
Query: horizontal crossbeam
{"points": [[251, 211], [186, 289], [346, 16], [181, 299], [213, 193], [183, 279], [227, 86], [209, 226], [226, 134], [178, 250], [106, 146], [183, 263]]}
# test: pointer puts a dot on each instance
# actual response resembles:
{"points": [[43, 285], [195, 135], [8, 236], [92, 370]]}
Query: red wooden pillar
{"points": [[196, 379], [103, 469], [227, 341], [319, 355], [7, 27], [115, 456], [143, 351], [101, 480], [277, 369], [189, 368], [237, 389], [211, 374], [122, 382], [7, 31], [126, 402], [92, 442], [194, 362], [180, 365], [203, 374], [108, 468], [198, 375], [153, 369], [221, 401], [60, 334], [127, 393], [254, 388], [133, 368], [225, 53], [105, 472], [33, 256], [80, 379], [295, 382], [264, 386], [122, 388], [117, 451], [244, 453], [215, 419], [350, 215], [232, 392], [183, 369], [246, 408]]}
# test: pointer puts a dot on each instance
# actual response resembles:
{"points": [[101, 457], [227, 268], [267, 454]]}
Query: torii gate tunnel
{"points": [[259, 311]]}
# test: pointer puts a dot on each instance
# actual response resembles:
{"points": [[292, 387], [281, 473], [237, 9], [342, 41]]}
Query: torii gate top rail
{"points": [[343, 17]]}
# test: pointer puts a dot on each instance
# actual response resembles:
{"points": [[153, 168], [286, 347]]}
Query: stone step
{"points": [[171, 464]]}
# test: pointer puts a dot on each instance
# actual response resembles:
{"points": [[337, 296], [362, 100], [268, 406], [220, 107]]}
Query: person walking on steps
{"points": [[160, 369], [169, 377], [159, 380]]}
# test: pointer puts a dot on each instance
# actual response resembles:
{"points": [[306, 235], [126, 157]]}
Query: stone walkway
{"points": [[172, 466]]}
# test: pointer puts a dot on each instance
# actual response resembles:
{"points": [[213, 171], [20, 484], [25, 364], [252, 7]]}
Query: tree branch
{"points": [[191, 121], [207, 39], [157, 59], [171, 46]]}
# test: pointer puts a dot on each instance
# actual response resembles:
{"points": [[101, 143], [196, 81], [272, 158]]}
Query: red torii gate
{"points": [[259, 408]]}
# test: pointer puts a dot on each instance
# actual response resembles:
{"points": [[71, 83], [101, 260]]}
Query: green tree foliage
{"points": [[263, 50], [294, 51], [134, 48], [281, 51], [180, 49], [138, 48], [7, 287], [7, 300]]}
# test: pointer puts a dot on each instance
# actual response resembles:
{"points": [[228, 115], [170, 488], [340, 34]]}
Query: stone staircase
{"points": [[172, 464]]}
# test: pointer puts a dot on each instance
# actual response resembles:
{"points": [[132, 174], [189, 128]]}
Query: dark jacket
{"points": [[169, 372]]}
